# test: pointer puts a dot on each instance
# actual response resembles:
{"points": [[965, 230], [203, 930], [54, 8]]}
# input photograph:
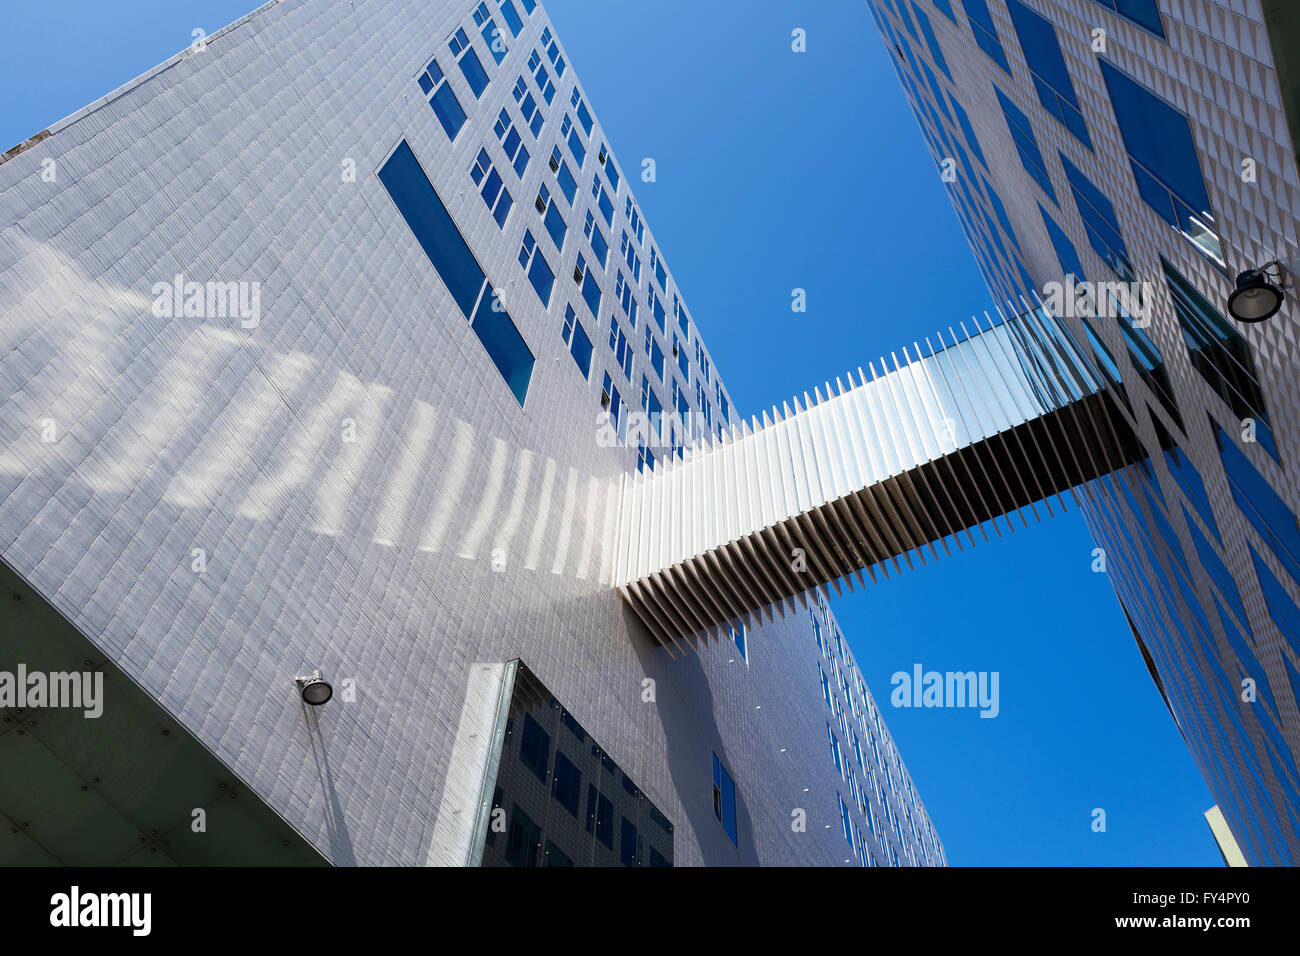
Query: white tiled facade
{"points": [[1214, 64], [347, 482]]}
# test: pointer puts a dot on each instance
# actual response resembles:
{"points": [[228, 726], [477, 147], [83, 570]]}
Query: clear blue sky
{"points": [[779, 170]]}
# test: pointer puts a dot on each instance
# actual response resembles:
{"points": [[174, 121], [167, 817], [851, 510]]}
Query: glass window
{"points": [[1262, 506], [1142, 12], [724, 799], [986, 34], [1220, 354], [542, 78], [589, 285], [1163, 156], [442, 99], [496, 43], [603, 202], [566, 784], [511, 16], [931, 41], [556, 227], [528, 107], [569, 133], [1065, 250], [568, 185], [535, 747], [495, 195], [511, 142], [576, 338], [1022, 134], [580, 108], [598, 244], [470, 65], [1047, 68], [540, 275], [1099, 221]]}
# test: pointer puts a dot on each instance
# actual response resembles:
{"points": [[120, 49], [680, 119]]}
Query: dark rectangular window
{"points": [[511, 142], [470, 65], [568, 185], [603, 202], [586, 279], [986, 34], [627, 841], [535, 747], [492, 36], [511, 16], [1047, 68], [1220, 354], [1162, 154], [566, 783], [724, 799], [598, 243], [575, 336], [1142, 12], [442, 100], [522, 840], [1262, 506], [495, 195], [1065, 250], [1022, 133], [1099, 221], [436, 232], [540, 274]]}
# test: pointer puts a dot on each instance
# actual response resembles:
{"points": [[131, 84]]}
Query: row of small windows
{"points": [[499, 200]]}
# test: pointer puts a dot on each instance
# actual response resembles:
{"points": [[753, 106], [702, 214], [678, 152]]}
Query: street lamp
{"points": [[315, 689], [1257, 296]]}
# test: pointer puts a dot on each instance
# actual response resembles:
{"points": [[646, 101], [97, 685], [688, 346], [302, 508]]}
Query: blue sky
{"points": [[777, 171]]}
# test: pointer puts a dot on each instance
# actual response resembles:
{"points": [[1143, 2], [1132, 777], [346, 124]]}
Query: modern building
{"points": [[1125, 160], [327, 350]]}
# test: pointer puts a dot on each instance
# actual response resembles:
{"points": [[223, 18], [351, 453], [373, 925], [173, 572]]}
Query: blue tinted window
{"points": [[529, 6], [472, 67], [1189, 479], [433, 227], [1065, 250], [539, 270], [436, 232], [944, 7], [443, 102], [1164, 159], [570, 134], [568, 185], [1142, 12], [603, 201], [1261, 505], [598, 244], [556, 227], [964, 121], [505, 346], [931, 41], [578, 341], [1220, 354], [1099, 220], [1216, 569], [1281, 609], [1047, 65], [511, 17], [724, 798], [986, 34], [1022, 133]]}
